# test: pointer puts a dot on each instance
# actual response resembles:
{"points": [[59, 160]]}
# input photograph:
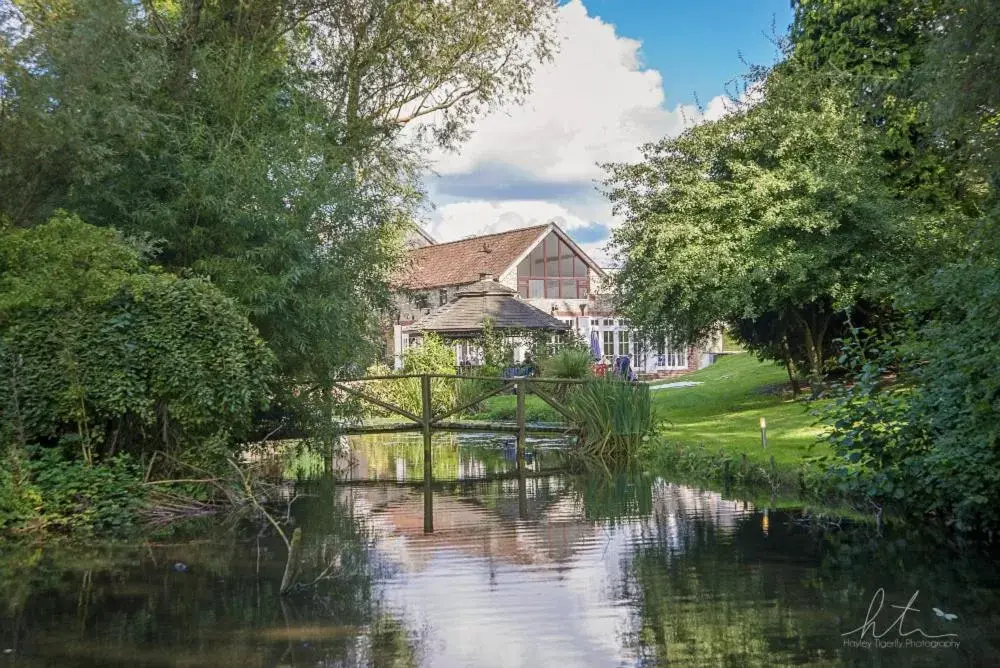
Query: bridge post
{"points": [[521, 429], [425, 421], [427, 416], [522, 493]]}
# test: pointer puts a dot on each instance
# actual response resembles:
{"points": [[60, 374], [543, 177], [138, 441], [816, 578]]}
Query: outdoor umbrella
{"points": [[595, 345]]}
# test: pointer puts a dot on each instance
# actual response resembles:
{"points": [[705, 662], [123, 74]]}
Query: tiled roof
{"points": [[463, 261], [486, 299], [487, 286]]}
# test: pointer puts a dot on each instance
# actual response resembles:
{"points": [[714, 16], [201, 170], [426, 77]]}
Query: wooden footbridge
{"points": [[428, 421]]}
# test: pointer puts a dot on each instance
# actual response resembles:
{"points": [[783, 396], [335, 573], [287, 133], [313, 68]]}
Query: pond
{"points": [[544, 569]]}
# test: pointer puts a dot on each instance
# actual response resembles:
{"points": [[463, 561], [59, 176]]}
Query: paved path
{"points": [[667, 386]]}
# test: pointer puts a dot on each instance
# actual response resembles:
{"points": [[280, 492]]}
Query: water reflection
{"points": [[453, 457], [541, 569]]}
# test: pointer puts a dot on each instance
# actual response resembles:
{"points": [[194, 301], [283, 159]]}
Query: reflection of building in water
{"points": [[677, 511], [476, 528]]}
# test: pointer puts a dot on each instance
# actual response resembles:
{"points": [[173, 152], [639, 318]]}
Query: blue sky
{"points": [[627, 72], [696, 46]]}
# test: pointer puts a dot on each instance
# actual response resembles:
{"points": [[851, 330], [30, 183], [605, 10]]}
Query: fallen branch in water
{"points": [[167, 507], [231, 494]]}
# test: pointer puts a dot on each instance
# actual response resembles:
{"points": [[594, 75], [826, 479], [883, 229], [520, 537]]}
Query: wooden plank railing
{"points": [[428, 421]]}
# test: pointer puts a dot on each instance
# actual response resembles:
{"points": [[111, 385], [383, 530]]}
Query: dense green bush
{"points": [[59, 492], [571, 361], [873, 431], [100, 352], [432, 356], [914, 425], [959, 399]]}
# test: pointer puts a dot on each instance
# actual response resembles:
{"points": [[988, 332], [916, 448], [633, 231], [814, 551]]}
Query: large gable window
{"points": [[553, 271]]}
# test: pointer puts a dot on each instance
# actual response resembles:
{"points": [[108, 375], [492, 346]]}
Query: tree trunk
{"points": [[814, 353], [791, 368], [814, 333]]}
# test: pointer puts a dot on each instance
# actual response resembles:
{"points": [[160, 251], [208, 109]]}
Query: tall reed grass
{"points": [[615, 419]]}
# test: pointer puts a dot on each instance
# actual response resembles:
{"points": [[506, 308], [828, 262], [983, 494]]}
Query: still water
{"points": [[542, 569]]}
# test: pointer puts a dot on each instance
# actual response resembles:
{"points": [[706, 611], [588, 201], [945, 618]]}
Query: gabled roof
{"points": [[470, 308], [419, 232], [464, 261]]}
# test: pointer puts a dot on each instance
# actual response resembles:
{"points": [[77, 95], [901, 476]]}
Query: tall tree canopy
{"points": [[257, 143], [777, 211], [859, 190]]}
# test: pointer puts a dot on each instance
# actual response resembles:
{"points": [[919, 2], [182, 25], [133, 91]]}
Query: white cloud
{"points": [[463, 219], [594, 103]]}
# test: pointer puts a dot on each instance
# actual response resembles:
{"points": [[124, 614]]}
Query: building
{"points": [[540, 276]]}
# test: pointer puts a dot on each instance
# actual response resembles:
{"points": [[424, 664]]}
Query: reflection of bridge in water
{"points": [[542, 531], [483, 502], [428, 421], [467, 461]]}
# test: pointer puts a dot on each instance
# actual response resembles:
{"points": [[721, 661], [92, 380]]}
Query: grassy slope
{"points": [[725, 412], [504, 407]]}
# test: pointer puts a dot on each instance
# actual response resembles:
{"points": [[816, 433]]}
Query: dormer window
{"points": [[442, 297]]}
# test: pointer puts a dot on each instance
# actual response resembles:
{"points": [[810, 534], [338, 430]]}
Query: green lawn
{"points": [[504, 407], [725, 411]]}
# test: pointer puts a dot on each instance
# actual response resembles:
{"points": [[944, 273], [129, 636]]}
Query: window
{"points": [[551, 245], [594, 322], [561, 273], [421, 302], [609, 343], [669, 356], [623, 343], [565, 259], [609, 323], [442, 297]]}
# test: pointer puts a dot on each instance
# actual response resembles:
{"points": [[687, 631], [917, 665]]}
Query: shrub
{"points": [[432, 356], [927, 442], [573, 362], [102, 352], [61, 493]]}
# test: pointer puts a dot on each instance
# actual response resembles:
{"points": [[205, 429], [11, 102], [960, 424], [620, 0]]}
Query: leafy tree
{"points": [[269, 145], [777, 210], [929, 439], [874, 48]]}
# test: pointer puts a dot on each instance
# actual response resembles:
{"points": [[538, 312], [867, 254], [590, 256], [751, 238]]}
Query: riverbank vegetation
{"points": [[202, 204], [844, 219], [721, 409]]}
